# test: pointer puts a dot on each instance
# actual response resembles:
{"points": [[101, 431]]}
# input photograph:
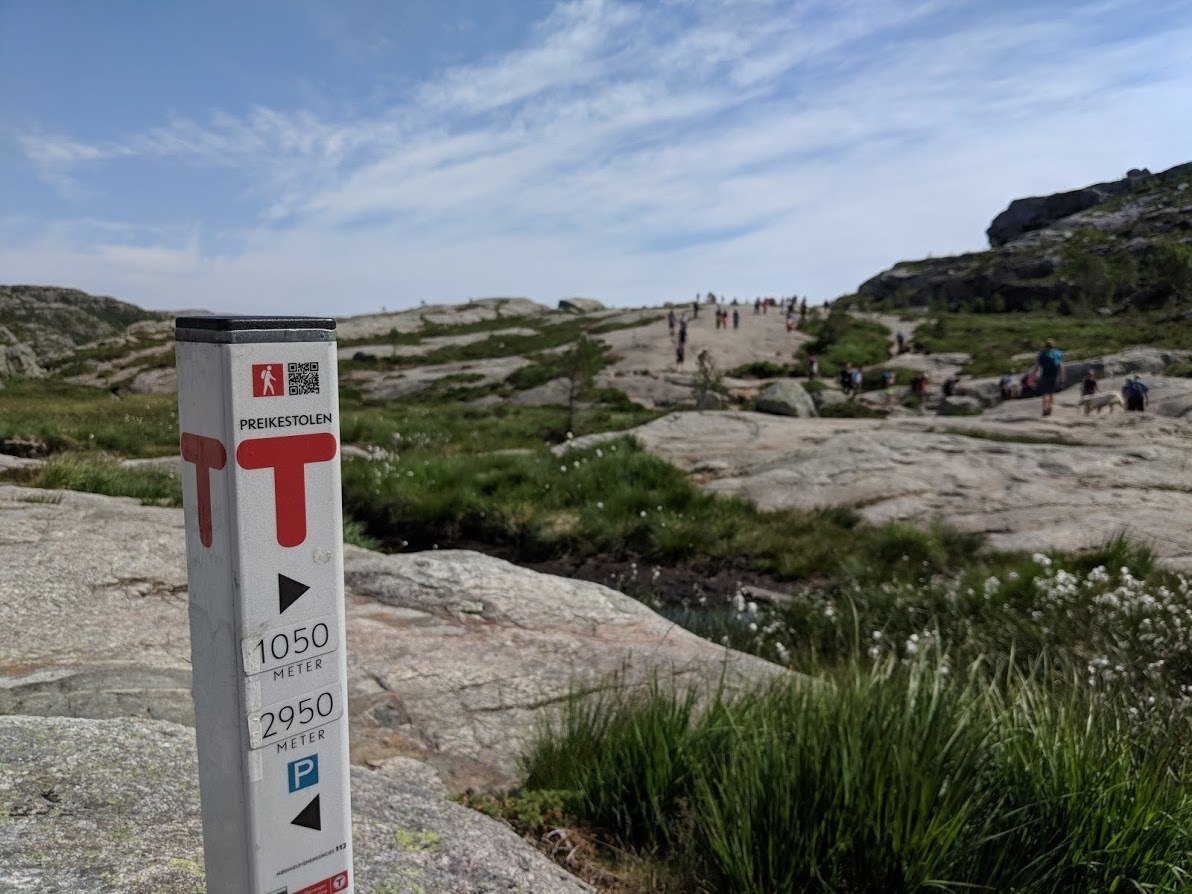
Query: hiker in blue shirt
{"points": [[1050, 366], [1135, 393]]}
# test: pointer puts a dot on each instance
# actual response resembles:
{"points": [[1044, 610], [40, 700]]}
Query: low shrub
{"points": [[850, 409], [764, 369]]}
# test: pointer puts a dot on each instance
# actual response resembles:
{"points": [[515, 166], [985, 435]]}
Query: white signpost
{"points": [[258, 413]]}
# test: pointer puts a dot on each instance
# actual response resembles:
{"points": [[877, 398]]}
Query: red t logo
{"points": [[268, 380], [206, 454], [287, 457]]}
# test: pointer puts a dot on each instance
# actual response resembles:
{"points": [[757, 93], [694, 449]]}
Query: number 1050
{"points": [[266, 651]]}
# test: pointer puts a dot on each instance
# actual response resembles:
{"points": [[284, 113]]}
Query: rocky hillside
{"points": [[41, 324], [1109, 245]]}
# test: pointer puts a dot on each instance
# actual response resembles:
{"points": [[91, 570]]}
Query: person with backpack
{"points": [[856, 382], [812, 367], [1050, 366], [1135, 393]]}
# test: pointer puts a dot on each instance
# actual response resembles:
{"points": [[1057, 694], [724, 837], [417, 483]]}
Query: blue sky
{"points": [[337, 157]]}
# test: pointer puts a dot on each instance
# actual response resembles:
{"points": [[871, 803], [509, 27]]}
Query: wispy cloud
{"points": [[639, 151]]}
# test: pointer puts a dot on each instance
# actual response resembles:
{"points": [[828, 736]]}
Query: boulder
{"points": [[786, 399], [649, 389], [1147, 361], [453, 656], [20, 361], [106, 806], [959, 405], [709, 400], [987, 392], [826, 397], [581, 305]]}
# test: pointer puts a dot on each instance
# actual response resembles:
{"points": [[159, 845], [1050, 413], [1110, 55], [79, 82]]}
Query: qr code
{"points": [[302, 378]]}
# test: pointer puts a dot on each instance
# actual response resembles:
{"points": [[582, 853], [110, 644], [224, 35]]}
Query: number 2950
{"points": [[294, 716]]}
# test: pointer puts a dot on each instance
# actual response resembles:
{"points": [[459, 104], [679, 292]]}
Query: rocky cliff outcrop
{"points": [[51, 322], [1036, 243], [1038, 212]]}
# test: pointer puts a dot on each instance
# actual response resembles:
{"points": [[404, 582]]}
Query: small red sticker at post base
{"points": [[268, 380], [337, 882]]}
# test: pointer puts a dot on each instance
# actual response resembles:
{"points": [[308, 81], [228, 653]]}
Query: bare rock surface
{"points": [[379, 325], [112, 807], [581, 305], [430, 343], [1067, 481], [453, 657]]}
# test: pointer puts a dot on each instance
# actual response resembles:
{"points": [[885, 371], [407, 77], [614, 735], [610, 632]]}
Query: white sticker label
{"points": [[294, 716], [277, 648]]}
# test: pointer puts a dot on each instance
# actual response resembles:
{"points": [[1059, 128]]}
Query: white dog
{"points": [[1099, 402]]}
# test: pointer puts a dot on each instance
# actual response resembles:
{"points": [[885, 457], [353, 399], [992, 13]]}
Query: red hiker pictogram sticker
{"points": [[337, 882], [268, 379]]}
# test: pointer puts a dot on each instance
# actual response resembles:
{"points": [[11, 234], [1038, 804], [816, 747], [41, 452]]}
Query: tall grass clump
{"points": [[898, 777], [103, 475]]}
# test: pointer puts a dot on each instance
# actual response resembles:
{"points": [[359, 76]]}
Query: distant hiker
{"points": [[803, 310], [901, 339], [856, 382], [1089, 385], [736, 319], [1006, 385], [812, 366], [950, 385], [846, 377], [765, 304], [757, 306], [1050, 365], [888, 385], [716, 317], [1135, 393], [695, 309], [790, 322], [683, 329], [670, 322], [680, 350]]}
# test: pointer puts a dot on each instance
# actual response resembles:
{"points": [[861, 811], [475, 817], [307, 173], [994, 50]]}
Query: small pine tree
{"points": [[580, 363]]}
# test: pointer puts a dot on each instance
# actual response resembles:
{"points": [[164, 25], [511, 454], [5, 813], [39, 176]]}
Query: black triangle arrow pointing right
{"points": [[310, 817], [288, 592]]}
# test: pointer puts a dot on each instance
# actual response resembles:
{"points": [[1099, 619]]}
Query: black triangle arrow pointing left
{"points": [[288, 592], [310, 817]]}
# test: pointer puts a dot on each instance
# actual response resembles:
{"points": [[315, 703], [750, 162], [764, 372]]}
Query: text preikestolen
{"points": [[264, 422]]}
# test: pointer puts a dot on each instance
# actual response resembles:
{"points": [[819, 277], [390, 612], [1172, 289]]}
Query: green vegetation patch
{"points": [[765, 369], [992, 339], [618, 500], [840, 339], [100, 474], [69, 418]]}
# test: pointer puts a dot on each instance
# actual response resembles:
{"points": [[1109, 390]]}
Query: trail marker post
{"points": [[258, 413]]}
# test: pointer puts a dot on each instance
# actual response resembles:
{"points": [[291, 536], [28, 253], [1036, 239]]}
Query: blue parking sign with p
{"points": [[303, 772]]}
